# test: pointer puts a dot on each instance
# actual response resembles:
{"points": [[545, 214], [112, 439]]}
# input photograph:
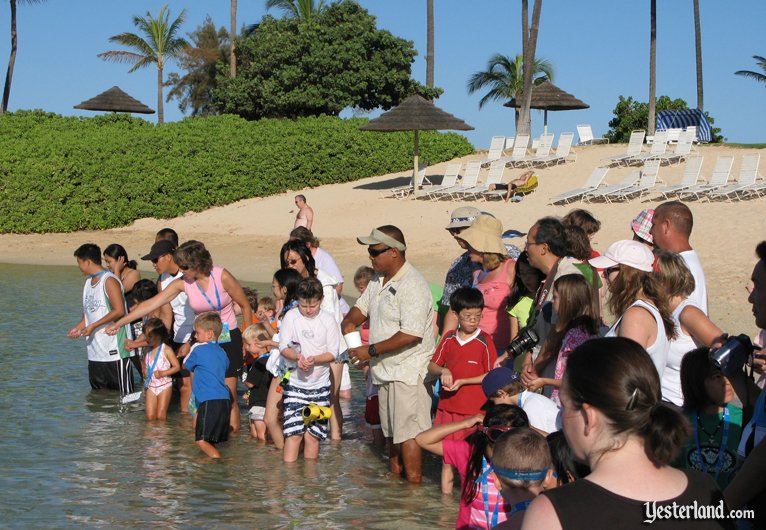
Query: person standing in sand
{"points": [[305, 215]]}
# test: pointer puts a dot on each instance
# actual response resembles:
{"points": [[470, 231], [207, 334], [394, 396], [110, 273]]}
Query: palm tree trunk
{"points": [[233, 39], [698, 51], [11, 61], [160, 109], [429, 43], [529, 61], [652, 68]]}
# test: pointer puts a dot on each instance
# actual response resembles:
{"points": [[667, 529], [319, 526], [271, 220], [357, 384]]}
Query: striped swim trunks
{"points": [[295, 399]]}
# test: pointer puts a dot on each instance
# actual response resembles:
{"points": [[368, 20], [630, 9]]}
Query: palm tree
{"points": [[302, 9], [12, 60], [233, 40], [430, 43], [652, 68], [524, 123], [760, 77], [160, 44], [698, 53], [505, 80]]}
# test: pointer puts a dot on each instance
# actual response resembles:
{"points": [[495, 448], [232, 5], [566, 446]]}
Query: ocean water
{"points": [[71, 457]]}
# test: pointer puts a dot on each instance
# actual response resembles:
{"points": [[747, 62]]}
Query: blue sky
{"points": [[599, 49]]}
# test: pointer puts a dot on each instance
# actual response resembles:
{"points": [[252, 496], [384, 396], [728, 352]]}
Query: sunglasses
{"points": [[292, 261], [183, 267], [375, 252], [610, 270], [494, 432]]}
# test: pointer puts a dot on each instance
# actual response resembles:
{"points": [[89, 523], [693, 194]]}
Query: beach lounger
{"points": [[649, 176], [658, 149], [718, 180], [563, 151], [470, 180], [519, 149], [674, 135], [690, 178], [585, 133], [681, 151], [542, 151], [634, 148], [524, 189], [496, 148], [449, 180], [592, 184], [401, 192], [748, 174], [495, 176], [603, 193]]}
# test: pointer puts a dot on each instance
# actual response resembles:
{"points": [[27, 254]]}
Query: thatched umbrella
{"points": [[547, 96], [115, 100], [416, 114]]}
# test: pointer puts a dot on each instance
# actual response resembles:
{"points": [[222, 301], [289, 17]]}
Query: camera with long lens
{"points": [[527, 339], [732, 356]]}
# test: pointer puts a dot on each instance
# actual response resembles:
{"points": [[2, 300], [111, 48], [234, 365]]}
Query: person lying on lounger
{"points": [[521, 180]]}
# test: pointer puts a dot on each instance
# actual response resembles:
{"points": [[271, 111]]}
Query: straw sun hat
{"points": [[485, 235]]}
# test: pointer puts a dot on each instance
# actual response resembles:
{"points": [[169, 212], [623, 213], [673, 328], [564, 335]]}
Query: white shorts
{"points": [[257, 413]]}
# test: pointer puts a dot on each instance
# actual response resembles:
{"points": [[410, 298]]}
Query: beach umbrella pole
{"points": [[416, 162]]}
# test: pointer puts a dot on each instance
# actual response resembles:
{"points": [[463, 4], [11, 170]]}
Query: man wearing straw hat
{"points": [[398, 306]]}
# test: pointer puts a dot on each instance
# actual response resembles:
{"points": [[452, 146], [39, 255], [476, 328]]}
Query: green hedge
{"points": [[60, 174]]}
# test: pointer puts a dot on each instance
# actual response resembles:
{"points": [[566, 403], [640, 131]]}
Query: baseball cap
{"points": [[463, 217], [496, 379], [160, 248], [625, 252]]}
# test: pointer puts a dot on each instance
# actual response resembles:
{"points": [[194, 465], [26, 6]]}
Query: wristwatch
{"points": [[371, 351]]}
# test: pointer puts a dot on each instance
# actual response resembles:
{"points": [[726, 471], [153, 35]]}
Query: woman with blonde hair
{"points": [[693, 327]]}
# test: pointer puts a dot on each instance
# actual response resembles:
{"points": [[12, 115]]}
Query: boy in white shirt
{"points": [[504, 386], [311, 338]]}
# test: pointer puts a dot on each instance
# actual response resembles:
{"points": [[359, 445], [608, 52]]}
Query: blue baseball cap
{"points": [[497, 379]]}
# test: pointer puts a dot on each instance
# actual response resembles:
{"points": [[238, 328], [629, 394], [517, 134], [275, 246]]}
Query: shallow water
{"points": [[70, 457]]}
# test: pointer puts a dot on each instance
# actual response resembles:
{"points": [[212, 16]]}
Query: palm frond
{"points": [[121, 57]]}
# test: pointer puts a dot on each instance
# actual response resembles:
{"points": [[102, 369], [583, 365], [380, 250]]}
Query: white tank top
{"points": [[680, 346], [183, 315], [95, 304], [658, 351]]}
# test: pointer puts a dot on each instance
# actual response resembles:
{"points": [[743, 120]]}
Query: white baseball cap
{"points": [[625, 252]]}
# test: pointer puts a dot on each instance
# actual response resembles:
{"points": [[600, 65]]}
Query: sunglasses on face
{"points": [[375, 252], [610, 270], [494, 432]]}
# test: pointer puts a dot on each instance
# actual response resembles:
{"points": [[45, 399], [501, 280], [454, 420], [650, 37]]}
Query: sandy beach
{"points": [[245, 236]]}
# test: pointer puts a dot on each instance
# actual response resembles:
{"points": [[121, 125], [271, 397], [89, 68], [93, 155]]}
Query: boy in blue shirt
{"points": [[208, 363]]}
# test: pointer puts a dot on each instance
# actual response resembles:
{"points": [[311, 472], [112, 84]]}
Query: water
{"points": [[70, 457]]}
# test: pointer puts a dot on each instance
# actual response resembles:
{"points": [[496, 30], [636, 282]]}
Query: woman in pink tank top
{"points": [[209, 288], [494, 280]]}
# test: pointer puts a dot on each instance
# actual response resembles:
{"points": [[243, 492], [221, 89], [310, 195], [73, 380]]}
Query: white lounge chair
{"points": [[681, 151], [592, 184], [585, 133], [603, 193], [470, 180], [634, 148], [519, 149], [449, 180], [658, 149], [649, 176], [748, 174], [690, 178], [542, 151], [401, 192], [495, 176], [718, 180], [496, 148], [563, 152]]}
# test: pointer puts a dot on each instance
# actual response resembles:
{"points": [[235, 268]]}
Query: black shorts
{"points": [[183, 372], [112, 375], [233, 351], [213, 421]]}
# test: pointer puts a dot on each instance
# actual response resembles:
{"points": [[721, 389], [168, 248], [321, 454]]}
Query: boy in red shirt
{"points": [[462, 359]]}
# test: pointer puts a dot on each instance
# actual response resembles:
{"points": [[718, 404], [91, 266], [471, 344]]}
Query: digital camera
{"points": [[527, 339], [730, 357]]}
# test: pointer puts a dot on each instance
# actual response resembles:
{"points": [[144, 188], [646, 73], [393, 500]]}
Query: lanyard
{"points": [[151, 369], [719, 460], [519, 507], [217, 297], [479, 277], [96, 275], [485, 495]]}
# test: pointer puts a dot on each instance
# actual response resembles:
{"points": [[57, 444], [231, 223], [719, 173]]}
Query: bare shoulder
{"points": [[541, 514]]}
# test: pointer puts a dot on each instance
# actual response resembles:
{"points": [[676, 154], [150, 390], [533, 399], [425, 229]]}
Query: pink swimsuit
{"points": [[494, 319], [158, 384]]}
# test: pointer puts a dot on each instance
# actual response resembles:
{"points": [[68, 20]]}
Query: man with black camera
{"points": [[749, 486]]}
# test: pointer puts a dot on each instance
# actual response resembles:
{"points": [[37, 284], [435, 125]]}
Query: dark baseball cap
{"points": [[159, 249]]}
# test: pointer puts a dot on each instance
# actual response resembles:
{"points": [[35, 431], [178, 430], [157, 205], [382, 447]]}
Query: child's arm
{"points": [[140, 342], [457, 383], [175, 366], [540, 382], [431, 440]]}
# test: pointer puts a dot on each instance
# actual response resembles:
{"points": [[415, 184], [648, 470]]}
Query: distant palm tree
{"points": [[758, 76], [12, 60], [430, 43], [159, 45], [698, 53], [233, 40], [652, 68], [505, 79], [529, 36], [302, 9]]}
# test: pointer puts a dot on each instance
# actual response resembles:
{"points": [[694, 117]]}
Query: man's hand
{"points": [[358, 355]]}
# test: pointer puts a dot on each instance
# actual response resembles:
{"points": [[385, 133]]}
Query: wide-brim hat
{"points": [[463, 217], [625, 252], [485, 235]]}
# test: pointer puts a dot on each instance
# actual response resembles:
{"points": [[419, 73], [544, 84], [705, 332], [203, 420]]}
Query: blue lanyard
{"points": [[480, 277], [519, 507], [151, 369], [485, 495], [217, 297], [719, 458], [96, 275]]}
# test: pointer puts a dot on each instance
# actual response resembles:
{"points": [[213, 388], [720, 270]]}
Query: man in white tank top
{"points": [[671, 228], [103, 303]]}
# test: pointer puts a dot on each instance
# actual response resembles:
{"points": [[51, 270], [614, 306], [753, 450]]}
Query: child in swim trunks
{"points": [[160, 363], [311, 338]]}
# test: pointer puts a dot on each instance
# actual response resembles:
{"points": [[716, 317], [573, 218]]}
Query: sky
{"points": [[599, 50]]}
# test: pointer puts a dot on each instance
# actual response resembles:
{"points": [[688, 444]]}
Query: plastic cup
{"points": [[353, 339]]}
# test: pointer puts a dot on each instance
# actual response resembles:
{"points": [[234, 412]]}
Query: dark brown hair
{"points": [[695, 368], [193, 255], [584, 219]]}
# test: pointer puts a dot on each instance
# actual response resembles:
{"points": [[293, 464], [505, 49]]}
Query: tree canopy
{"points": [[337, 59]]}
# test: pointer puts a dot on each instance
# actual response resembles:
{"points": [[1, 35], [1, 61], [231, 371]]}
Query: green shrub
{"points": [[60, 174]]}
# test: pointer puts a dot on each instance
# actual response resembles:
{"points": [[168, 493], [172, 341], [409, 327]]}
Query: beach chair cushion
{"points": [[529, 187]]}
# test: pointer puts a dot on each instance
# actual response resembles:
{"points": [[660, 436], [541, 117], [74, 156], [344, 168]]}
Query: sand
{"points": [[245, 236]]}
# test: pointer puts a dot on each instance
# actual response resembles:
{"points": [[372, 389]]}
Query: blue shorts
{"points": [[294, 400]]}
